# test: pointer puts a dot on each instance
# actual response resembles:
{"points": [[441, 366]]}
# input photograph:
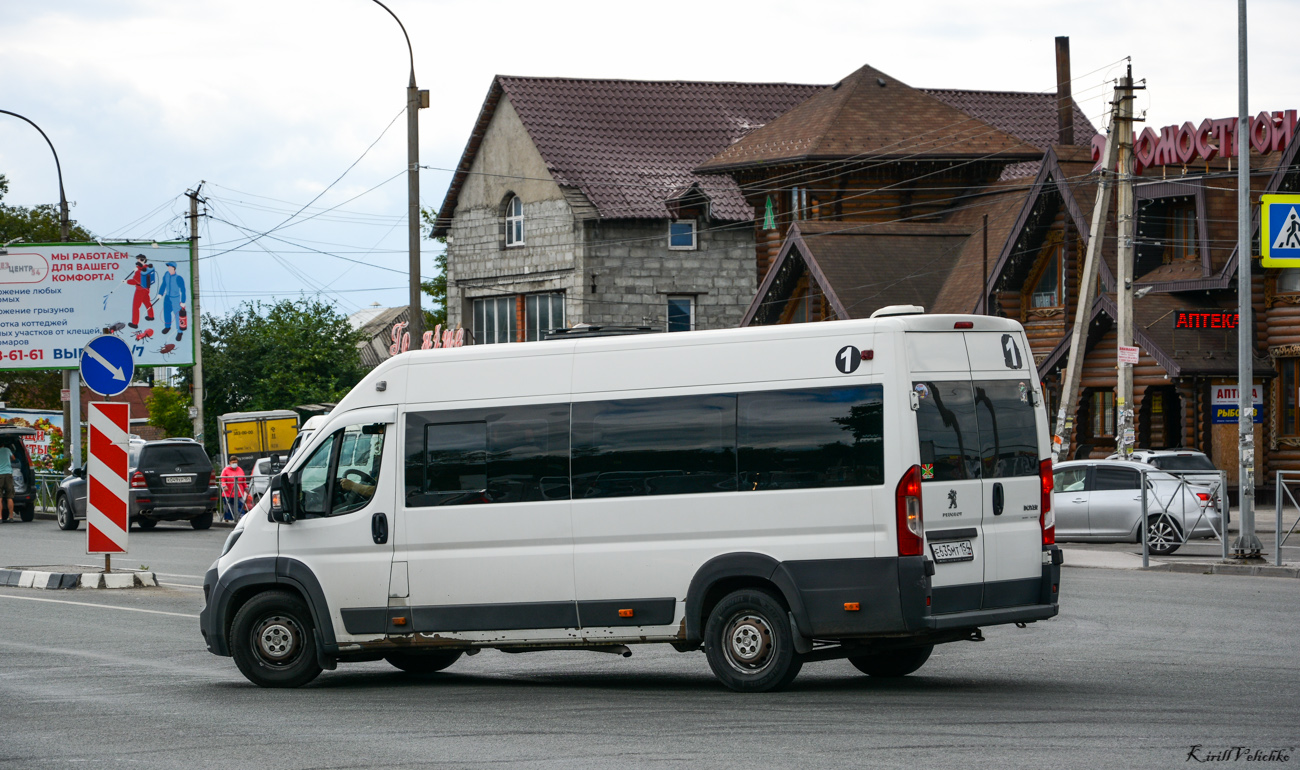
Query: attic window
{"points": [[514, 222]]}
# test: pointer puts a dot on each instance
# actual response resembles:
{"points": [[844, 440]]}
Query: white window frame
{"points": [[514, 221], [502, 307], [694, 234], [691, 299]]}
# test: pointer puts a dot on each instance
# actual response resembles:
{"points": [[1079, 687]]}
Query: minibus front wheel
{"points": [[272, 642]]}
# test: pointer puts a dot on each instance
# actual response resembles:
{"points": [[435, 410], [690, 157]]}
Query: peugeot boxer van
{"points": [[772, 496]]}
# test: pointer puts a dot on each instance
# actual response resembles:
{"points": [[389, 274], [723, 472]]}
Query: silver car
{"points": [[1100, 501]]}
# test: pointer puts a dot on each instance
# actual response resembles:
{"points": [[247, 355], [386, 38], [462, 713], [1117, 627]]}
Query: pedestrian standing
{"points": [[233, 490], [6, 484]]}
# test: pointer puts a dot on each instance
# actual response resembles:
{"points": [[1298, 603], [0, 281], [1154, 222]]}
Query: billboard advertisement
{"points": [[55, 298], [48, 426]]}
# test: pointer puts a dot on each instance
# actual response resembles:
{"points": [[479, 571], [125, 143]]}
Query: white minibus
{"points": [[772, 496]]}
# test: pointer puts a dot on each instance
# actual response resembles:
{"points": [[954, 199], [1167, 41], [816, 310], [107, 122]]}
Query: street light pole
{"points": [[415, 100], [71, 379]]}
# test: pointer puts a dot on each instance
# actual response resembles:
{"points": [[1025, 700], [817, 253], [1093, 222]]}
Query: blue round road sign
{"points": [[107, 365]]}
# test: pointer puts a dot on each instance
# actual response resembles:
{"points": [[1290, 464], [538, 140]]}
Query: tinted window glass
{"points": [[803, 439], [654, 446], [171, 455], [473, 456], [1184, 463], [1008, 426], [947, 429], [1070, 479], [1108, 478]]}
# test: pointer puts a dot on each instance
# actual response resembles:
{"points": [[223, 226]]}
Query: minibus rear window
{"points": [[1008, 425], [948, 431]]}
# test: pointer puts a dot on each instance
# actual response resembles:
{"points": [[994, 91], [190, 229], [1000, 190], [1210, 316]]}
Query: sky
{"points": [[276, 104]]}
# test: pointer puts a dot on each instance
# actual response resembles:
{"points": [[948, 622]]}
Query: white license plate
{"points": [[178, 479], [957, 550]]}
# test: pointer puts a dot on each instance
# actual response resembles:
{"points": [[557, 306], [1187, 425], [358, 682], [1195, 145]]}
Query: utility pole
{"points": [[1124, 428], [195, 317], [1087, 289], [415, 101], [1247, 545]]}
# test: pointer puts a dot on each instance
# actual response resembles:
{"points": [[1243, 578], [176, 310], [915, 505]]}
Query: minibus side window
{"points": [[811, 438], [357, 470], [1008, 425], [947, 430], [654, 446], [314, 478]]}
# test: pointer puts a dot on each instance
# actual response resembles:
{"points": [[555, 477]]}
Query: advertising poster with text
{"points": [[55, 298]]}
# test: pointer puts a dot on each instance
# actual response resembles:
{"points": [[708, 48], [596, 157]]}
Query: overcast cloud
{"points": [[276, 98]]}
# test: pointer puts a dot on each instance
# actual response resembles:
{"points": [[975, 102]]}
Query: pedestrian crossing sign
{"points": [[1279, 243]]}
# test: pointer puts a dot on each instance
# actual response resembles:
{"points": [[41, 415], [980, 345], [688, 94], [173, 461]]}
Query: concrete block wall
{"points": [[634, 271]]}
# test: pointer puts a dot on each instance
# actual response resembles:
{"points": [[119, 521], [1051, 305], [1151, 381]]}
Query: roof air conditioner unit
{"points": [[893, 310]]}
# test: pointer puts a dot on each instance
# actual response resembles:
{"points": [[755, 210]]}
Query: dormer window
{"points": [[514, 222]]}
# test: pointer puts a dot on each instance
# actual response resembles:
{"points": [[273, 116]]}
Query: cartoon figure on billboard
{"points": [[143, 278], [172, 291]]}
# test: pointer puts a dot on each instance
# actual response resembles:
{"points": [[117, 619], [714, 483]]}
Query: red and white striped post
{"points": [[108, 519]]}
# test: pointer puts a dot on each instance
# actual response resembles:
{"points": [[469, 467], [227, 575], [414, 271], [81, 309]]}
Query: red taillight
{"points": [[138, 482], [1046, 516], [964, 325], [907, 507]]}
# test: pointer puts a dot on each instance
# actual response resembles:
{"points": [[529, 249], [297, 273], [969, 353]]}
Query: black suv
{"points": [[24, 477], [170, 480]]}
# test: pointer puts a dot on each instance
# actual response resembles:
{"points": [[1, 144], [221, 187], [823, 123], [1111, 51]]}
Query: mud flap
{"points": [[802, 644]]}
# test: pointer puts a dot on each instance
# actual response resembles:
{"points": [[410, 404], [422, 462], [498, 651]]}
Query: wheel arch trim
{"points": [[727, 566]]}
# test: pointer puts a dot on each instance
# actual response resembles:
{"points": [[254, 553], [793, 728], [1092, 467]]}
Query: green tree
{"points": [[32, 388], [276, 356], [435, 287], [169, 410]]}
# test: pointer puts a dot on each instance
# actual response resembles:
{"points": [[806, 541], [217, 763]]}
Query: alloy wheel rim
{"points": [[1162, 534], [749, 643]]}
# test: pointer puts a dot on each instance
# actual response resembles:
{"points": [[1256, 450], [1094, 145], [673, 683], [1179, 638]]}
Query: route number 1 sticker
{"points": [[848, 359]]}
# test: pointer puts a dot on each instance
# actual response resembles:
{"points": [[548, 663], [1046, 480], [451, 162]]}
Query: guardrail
{"points": [[1281, 484], [47, 489], [1165, 523]]}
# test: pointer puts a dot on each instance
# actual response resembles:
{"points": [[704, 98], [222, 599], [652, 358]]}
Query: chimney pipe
{"points": [[1064, 99]]}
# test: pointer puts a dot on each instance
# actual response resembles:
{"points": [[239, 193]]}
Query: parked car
{"points": [[24, 477], [1178, 460], [1100, 501], [170, 480]]}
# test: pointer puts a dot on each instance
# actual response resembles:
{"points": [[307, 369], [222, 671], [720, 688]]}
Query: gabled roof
{"points": [[871, 114], [628, 145], [862, 267], [1001, 202]]}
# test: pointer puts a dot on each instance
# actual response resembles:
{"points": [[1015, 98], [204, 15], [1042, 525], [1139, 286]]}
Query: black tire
{"points": [[63, 511], [27, 512], [272, 641], [749, 643], [202, 521], [146, 523], [423, 663], [1163, 535], [893, 664]]}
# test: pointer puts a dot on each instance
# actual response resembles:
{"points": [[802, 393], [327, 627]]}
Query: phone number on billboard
{"points": [[22, 355]]}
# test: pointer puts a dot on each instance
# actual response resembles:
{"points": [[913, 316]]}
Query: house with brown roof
{"points": [[577, 201]]}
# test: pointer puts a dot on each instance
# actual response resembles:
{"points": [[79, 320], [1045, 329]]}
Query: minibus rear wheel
{"points": [[749, 643], [893, 664], [423, 663], [272, 642]]}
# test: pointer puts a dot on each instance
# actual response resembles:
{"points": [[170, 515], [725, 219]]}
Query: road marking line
{"points": [[92, 604]]}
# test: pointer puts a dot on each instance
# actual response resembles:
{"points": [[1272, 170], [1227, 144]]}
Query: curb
{"points": [[1262, 570], [29, 578]]}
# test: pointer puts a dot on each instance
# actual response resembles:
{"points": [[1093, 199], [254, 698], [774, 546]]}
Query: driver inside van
{"points": [[364, 451]]}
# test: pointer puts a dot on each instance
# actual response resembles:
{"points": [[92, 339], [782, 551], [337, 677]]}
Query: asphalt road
{"points": [[1136, 669]]}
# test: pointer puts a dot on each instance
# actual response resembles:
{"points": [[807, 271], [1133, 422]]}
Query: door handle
{"points": [[999, 498], [379, 528], [1079, 501]]}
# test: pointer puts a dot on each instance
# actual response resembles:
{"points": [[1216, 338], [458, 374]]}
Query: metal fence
{"points": [[1283, 478], [1165, 512], [47, 489]]}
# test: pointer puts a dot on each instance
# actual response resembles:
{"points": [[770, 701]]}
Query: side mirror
{"points": [[79, 472], [283, 498]]}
